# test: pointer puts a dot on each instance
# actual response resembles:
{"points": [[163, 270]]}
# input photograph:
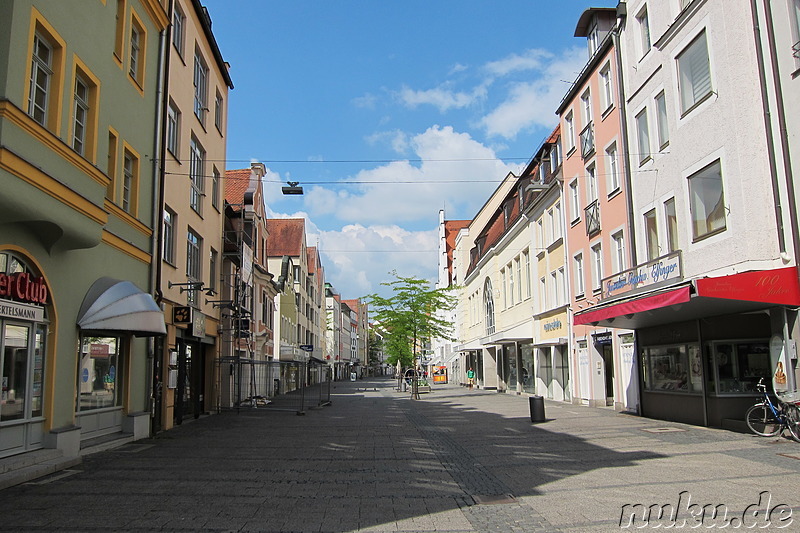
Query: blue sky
{"points": [[388, 111]]}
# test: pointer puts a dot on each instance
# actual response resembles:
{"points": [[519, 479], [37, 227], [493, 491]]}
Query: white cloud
{"points": [[532, 59], [456, 173], [358, 258], [441, 97], [533, 104]]}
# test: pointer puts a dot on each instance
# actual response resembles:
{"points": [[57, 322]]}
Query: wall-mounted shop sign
{"points": [[553, 325], [666, 269], [24, 287], [9, 309]]}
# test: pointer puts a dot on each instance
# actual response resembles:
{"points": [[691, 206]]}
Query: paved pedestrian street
{"points": [[454, 461]]}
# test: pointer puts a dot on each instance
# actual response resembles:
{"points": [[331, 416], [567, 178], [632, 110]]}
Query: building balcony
{"points": [[587, 141]]}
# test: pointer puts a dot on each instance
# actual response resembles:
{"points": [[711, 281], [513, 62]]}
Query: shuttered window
{"points": [[695, 73]]}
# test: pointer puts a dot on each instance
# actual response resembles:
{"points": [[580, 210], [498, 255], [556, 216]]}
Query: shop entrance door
{"points": [[608, 364], [189, 393], [22, 378]]}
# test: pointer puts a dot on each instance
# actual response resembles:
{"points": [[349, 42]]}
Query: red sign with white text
{"points": [[780, 286]]}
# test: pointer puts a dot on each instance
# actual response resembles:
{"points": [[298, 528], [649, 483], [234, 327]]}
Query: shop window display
{"points": [[674, 368], [736, 367], [99, 376]]}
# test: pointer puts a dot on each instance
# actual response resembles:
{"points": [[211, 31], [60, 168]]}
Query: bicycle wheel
{"points": [[793, 421], [762, 421]]}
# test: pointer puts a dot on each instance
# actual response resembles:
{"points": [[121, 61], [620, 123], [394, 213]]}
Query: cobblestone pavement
{"points": [[453, 461]]}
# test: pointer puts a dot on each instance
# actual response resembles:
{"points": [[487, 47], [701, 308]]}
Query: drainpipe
{"points": [[788, 314], [623, 120], [158, 197], [773, 172], [784, 137]]}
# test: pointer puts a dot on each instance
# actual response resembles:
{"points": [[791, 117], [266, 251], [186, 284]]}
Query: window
{"points": [[707, 201], [218, 112], [593, 39], [643, 136], [559, 226], [561, 287], [102, 361], [570, 129], [694, 73], [173, 129], [168, 244], [586, 107], [661, 121], [606, 87], [504, 286], [527, 260], [137, 51], [552, 293], [591, 184], [551, 224], [555, 156], [200, 87], [193, 267], [612, 164], [644, 31], [510, 285], [196, 168], [112, 164], [672, 225], [651, 234], [213, 260], [215, 177], [597, 266], [488, 304], [579, 282], [80, 115], [542, 294], [178, 29], [41, 79], [119, 32], [130, 182], [619, 252], [575, 210]]}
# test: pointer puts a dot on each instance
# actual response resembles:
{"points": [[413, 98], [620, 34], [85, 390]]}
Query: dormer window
{"points": [[593, 39]]}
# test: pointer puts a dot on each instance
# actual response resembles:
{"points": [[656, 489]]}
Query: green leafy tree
{"points": [[410, 315]]}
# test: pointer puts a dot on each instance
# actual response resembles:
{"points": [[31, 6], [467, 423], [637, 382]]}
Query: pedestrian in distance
{"points": [[470, 378]]}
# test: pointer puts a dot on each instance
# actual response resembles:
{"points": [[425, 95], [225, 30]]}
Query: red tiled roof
{"points": [[286, 236], [236, 184]]}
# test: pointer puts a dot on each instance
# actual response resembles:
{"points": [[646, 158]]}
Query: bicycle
{"points": [[768, 418]]}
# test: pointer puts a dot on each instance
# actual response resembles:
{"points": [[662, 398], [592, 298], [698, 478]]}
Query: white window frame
{"points": [[526, 254], [41, 79], [81, 114], [128, 170], [586, 108], [168, 245], [695, 202], [643, 21], [662, 126], [569, 121], [178, 29], [695, 83], [651, 235], [597, 266], [200, 87], [671, 223], [619, 263], [612, 169], [606, 87], [196, 175], [580, 281], [575, 207], [591, 184], [173, 129], [643, 136]]}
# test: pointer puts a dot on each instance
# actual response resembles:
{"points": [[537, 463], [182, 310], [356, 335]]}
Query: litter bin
{"points": [[537, 408]]}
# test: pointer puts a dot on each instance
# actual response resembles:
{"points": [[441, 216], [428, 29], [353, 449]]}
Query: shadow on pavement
{"points": [[372, 459]]}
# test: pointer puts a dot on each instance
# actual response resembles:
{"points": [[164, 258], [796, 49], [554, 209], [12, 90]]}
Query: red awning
{"points": [[780, 286], [663, 299]]}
